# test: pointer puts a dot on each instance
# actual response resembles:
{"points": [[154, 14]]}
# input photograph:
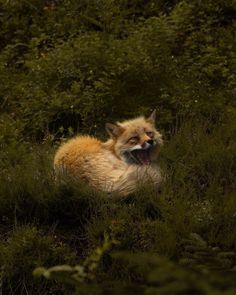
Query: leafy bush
{"points": [[157, 274], [115, 60]]}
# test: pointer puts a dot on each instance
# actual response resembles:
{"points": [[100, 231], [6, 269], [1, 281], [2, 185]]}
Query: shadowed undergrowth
{"points": [[193, 218], [71, 66]]}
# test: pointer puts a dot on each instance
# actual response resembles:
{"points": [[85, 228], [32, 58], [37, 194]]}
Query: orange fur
{"points": [[102, 164]]}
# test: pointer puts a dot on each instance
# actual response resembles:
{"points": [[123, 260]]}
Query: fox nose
{"points": [[150, 141]]}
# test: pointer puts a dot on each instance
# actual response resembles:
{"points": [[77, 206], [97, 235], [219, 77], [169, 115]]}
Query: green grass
{"points": [[71, 66], [45, 224]]}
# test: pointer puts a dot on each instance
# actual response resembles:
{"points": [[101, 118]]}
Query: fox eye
{"points": [[150, 134], [133, 139]]}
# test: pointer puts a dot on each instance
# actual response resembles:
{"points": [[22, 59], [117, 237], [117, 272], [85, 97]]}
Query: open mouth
{"points": [[141, 156]]}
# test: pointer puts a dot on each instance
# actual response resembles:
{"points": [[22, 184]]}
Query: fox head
{"points": [[135, 141]]}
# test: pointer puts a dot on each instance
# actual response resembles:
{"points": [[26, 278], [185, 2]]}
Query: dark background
{"points": [[67, 68]]}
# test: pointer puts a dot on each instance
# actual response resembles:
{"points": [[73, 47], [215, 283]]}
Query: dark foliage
{"points": [[68, 67]]}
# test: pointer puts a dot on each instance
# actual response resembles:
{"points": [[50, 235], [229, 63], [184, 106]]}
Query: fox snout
{"points": [[147, 143]]}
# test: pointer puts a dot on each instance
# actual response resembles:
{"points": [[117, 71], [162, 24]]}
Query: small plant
{"points": [[26, 248], [84, 273]]}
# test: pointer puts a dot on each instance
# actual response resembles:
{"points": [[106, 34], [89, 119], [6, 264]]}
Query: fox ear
{"points": [[114, 130], [152, 117]]}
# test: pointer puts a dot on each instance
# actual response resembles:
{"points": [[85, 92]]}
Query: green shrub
{"points": [[109, 60]]}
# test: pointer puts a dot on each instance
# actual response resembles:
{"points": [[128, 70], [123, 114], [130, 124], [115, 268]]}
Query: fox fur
{"points": [[118, 165]]}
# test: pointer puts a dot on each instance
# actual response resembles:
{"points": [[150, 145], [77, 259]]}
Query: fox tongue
{"points": [[143, 157]]}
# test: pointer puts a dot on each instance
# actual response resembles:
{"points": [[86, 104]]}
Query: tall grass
{"points": [[44, 223]]}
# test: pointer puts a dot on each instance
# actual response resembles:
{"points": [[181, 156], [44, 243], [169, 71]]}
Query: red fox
{"points": [[118, 165]]}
